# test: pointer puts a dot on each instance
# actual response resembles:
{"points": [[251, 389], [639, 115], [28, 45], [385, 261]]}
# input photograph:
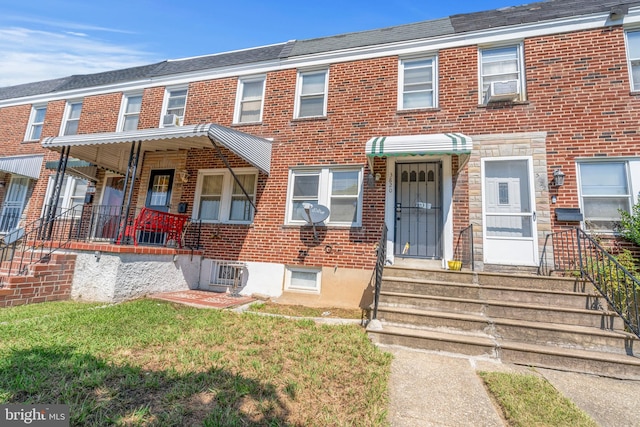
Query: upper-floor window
{"points": [[311, 94], [336, 188], [175, 103], [34, 130], [633, 56], [72, 118], [604, 191], [417, 83], [501, 74], [130, 112], [249, 100], [219, 197]]}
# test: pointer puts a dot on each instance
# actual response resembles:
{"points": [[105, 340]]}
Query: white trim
{"points": [[226, 196], [240, 93], [31, 123], [434, 81], [287, 279], [67, 112], [325, 95], [165, 102], [124, 101], [493, 35]]}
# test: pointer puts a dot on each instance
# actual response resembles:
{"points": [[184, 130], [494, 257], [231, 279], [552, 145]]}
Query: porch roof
{"points": [[111, 150], [28, 166], [413, 145]]}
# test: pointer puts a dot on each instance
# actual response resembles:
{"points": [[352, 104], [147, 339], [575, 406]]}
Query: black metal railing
{"points": [[464, 251], [36, 241], [574, 252], [380, 262]]}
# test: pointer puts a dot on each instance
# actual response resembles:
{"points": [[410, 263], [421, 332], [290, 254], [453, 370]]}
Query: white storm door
{"points": [[509, 215], [13, 203]]}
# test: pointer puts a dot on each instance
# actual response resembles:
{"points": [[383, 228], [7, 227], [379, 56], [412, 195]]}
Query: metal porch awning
{"points": [[416, 145], [28, 166], [111, 150]]}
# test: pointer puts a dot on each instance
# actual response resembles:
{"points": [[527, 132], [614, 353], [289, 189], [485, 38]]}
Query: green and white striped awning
{"points": [[415, 145]]}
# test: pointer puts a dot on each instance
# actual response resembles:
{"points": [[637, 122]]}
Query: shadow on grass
{"points": [[101, 393]]}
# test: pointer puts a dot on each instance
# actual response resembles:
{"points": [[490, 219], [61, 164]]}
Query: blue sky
{"points": [[45, 39]]}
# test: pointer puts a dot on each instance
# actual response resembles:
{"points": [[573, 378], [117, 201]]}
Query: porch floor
{"points": [[203, 299]]}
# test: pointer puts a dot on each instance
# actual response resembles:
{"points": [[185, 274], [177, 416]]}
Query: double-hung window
{"points": [[130, 112], [175, 104], [501, 73], [633, 58], [34, 130], [311, 94], [219, 197], [249, 100], [72, 194], [604, 190], [417, 83], [72, 118], [339, 189]]}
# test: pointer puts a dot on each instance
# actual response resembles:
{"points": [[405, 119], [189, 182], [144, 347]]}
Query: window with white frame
{"points": [[633, 58], [417, 83], [219, 197], [72, 195], [604, 191], [249, 100], [302, 279], [340, 189], [34, 130], [175, 103], [72, 118], [501, 70], [130, 113], [311, 98]]}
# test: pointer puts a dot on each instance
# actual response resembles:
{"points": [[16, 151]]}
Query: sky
{"points": [[46, 39]]}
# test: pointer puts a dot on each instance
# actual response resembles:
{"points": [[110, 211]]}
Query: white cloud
{"points": [[28, 55]]}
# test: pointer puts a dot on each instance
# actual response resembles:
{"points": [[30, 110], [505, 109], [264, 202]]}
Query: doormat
{"points": [[205, 299]]}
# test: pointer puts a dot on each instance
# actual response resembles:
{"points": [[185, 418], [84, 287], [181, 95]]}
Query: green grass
{"points": [[303, 311], [153, 363], [529, 400]]}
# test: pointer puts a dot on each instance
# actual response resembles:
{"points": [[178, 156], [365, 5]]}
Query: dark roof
{"points": [[528, 13]]}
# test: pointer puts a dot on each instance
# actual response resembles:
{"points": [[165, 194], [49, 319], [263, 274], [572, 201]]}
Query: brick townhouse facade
{"points": [[423, 128]]}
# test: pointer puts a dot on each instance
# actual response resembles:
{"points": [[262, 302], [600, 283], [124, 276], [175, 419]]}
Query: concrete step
{"points": [[596, 318], [481, 345]]}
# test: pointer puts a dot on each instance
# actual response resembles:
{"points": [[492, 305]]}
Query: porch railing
{"points": [[574, 252], [464, 251], [380, 262], [36, 241]]}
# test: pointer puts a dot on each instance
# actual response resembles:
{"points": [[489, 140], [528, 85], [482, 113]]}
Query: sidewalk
{"points": [[429, 389]]}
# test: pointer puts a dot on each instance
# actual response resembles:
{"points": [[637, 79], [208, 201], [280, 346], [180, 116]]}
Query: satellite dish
{"points": [[314, 213]]}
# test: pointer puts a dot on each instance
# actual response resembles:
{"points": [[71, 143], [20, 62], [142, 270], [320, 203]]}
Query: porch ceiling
{"points": [[111, 150]]}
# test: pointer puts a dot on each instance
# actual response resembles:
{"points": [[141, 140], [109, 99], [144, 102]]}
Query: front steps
{"points": [[557, 323]]}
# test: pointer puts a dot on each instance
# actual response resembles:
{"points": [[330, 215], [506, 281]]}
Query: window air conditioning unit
{"points": [[170, 120], [502, 91]]}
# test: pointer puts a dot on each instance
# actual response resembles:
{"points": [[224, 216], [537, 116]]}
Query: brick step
{"points": [[574, 360], [506, 309], [555, 334], [556, 298]]}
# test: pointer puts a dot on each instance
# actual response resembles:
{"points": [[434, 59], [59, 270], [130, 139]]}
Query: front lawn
{"points": [[148, 362]]}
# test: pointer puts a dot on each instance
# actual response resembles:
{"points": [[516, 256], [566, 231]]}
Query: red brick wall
{"points": [[578, 92], [45, 282]]}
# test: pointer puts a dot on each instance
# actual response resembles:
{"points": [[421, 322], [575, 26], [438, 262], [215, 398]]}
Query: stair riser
{"points": [[434, 345], [536, 282], [553, 361], [577, 301], [427, 321], [566, 338], [595, 320], [443, 290], [471, 306], [442, 275]]}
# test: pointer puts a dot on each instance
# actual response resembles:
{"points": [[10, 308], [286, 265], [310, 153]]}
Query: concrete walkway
{"points": [[433, 389]]}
